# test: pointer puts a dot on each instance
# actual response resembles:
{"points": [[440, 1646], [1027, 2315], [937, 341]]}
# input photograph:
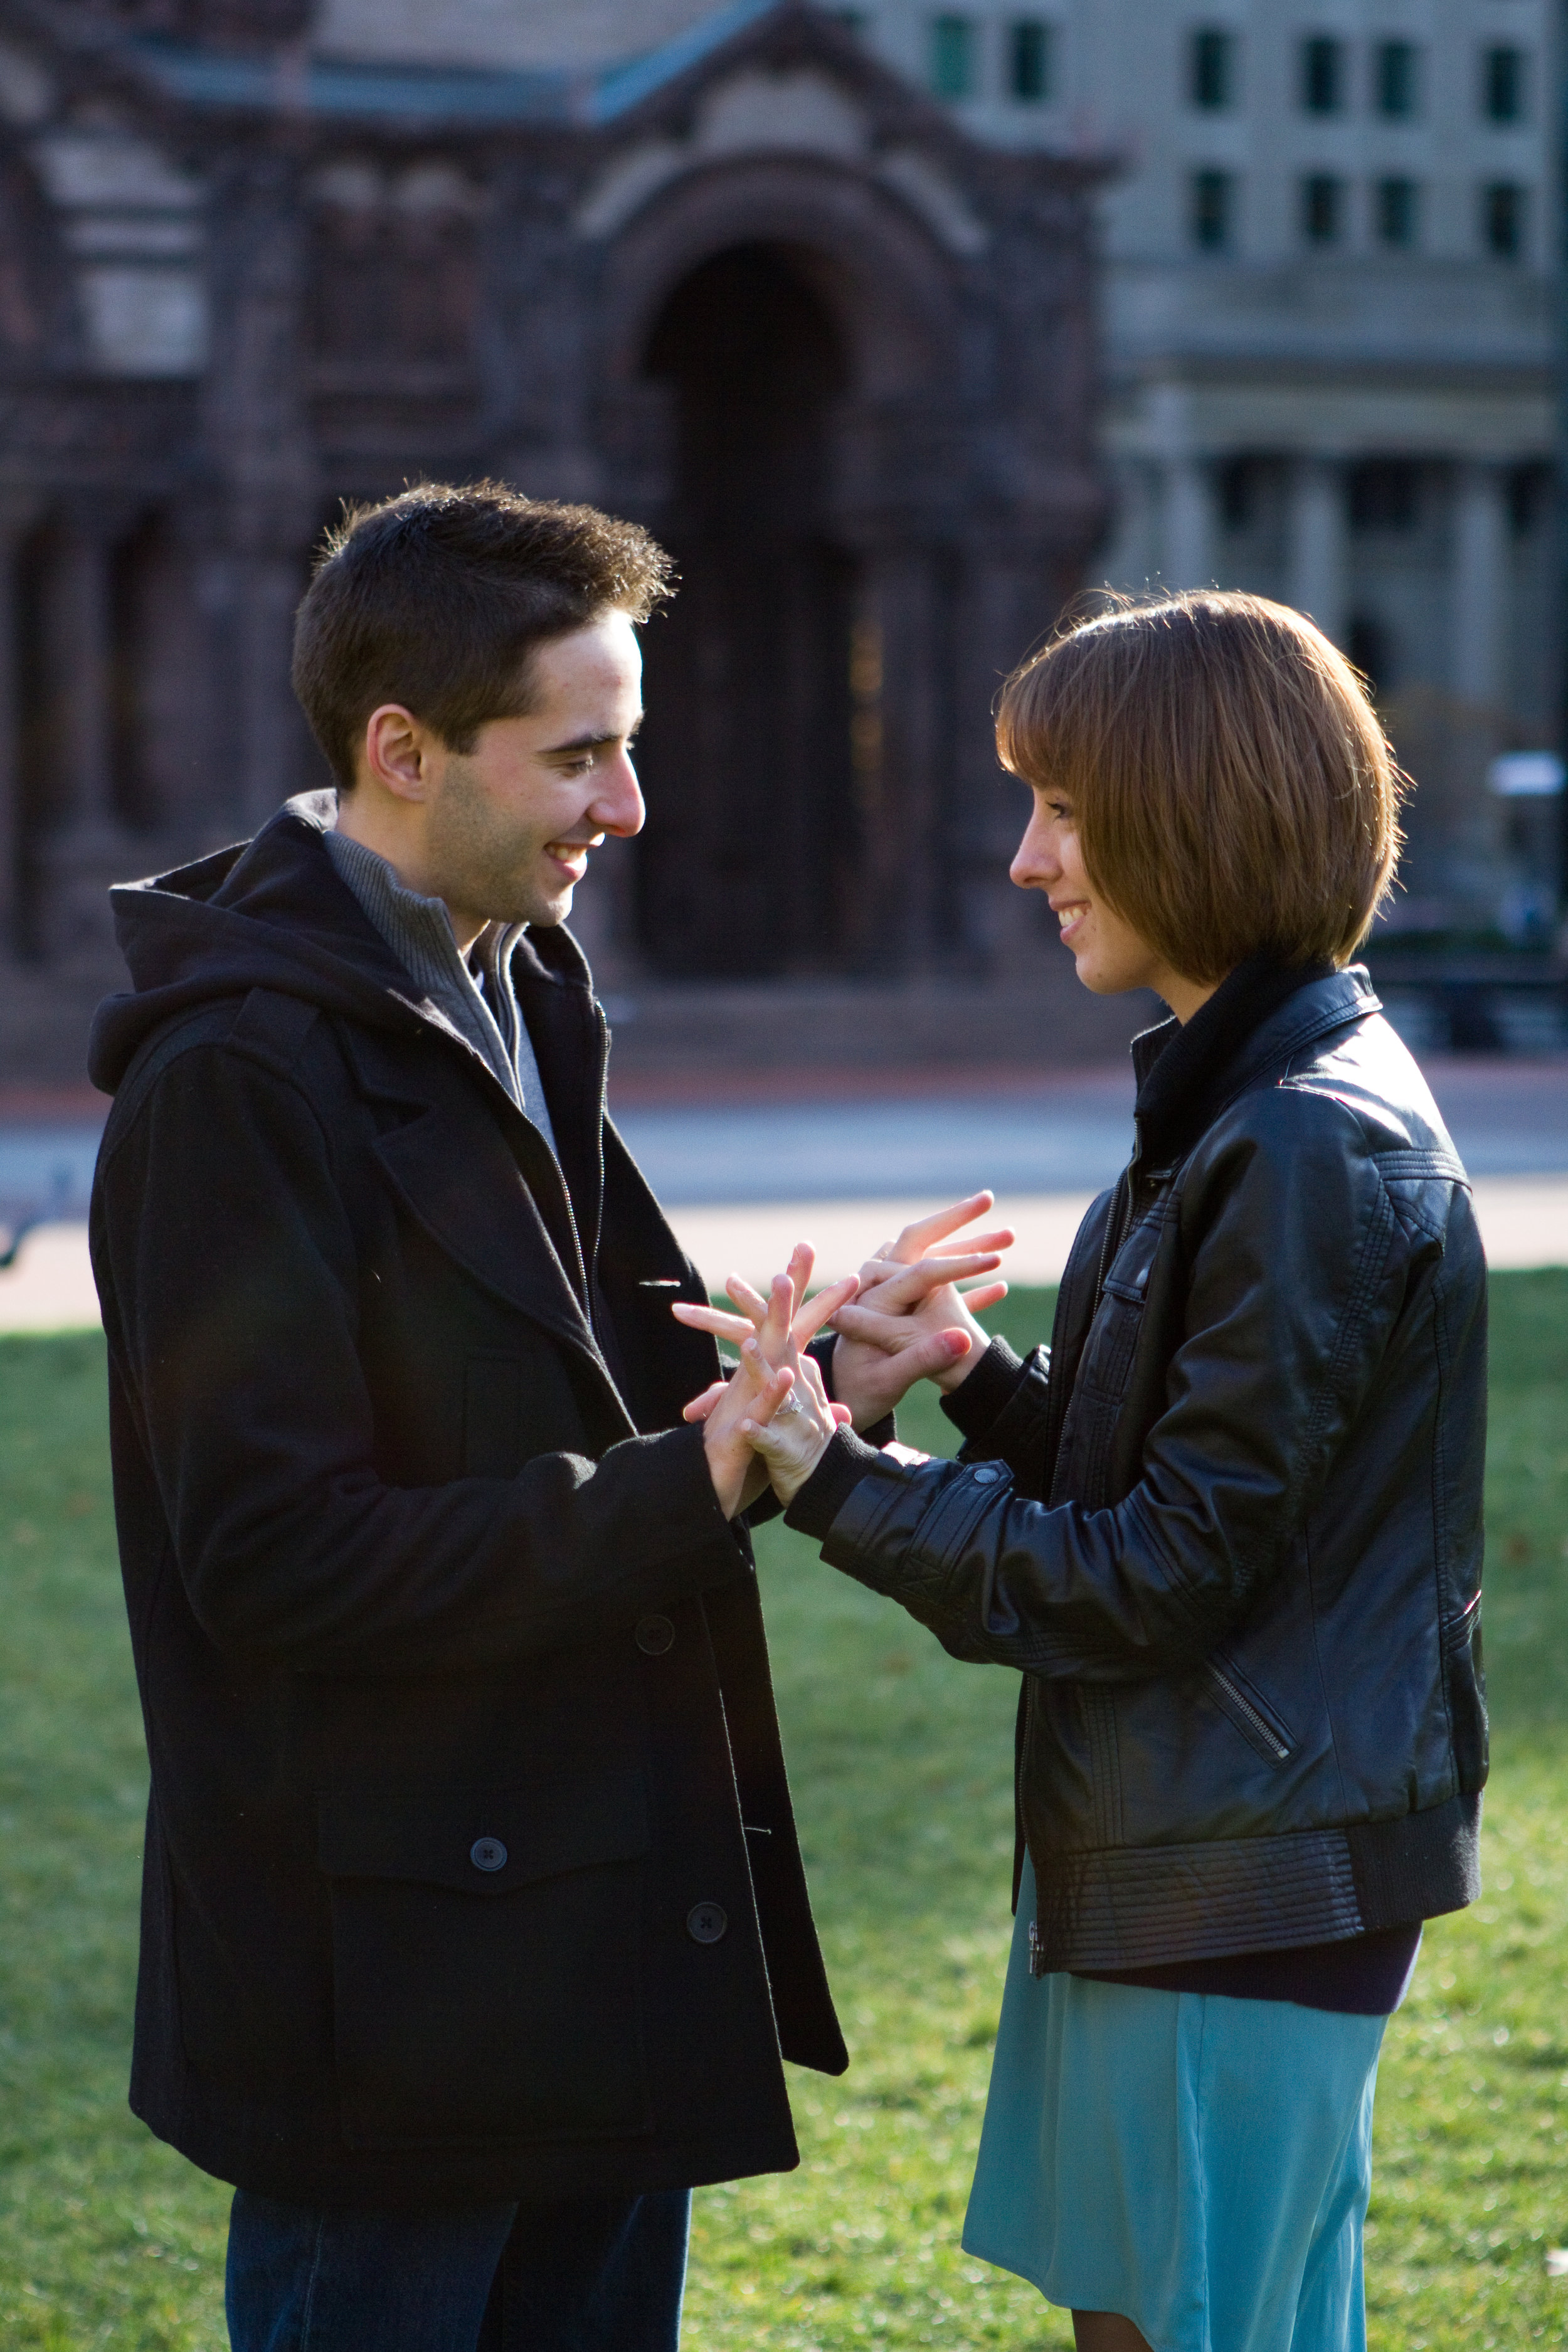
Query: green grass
{"points": [[901, 1766]]}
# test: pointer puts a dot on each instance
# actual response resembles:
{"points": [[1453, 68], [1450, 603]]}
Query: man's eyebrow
{"points": [[592, 742]]}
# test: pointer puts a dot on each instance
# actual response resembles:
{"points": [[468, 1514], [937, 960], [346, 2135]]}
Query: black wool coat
{"points": [[470, 1867]]}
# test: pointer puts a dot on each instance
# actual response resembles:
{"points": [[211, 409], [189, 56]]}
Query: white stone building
{"points": [[1331, 311]]}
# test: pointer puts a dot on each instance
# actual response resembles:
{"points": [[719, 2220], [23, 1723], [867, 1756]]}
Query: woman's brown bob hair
{"points": [[1230, 786]]}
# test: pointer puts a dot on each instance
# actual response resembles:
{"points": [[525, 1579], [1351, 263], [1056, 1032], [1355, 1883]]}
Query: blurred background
{"points": [[900, 326]]}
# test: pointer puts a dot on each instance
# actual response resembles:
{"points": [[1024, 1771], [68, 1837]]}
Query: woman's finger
{"points": [[712, 1318], [748, 1300], [984, 1295], [916, 1239], [927, 1274], [1003, 1238], [774, 1334], [772, 1387]]}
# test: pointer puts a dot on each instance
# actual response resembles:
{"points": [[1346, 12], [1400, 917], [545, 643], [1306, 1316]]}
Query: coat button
{"points": [[655, 1635], [488, 1853], [988, 1474], [706, 1922]]}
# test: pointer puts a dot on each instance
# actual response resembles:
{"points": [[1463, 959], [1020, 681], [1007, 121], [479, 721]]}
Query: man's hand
{"points": [[908, 1319], [773, 1333]]}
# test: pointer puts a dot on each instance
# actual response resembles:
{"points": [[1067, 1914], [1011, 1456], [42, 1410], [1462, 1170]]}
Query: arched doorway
{"points": [[750, 860]]}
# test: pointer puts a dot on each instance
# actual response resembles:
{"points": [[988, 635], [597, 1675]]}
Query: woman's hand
{"points": [[780, 1327], [909, 1320], [792, 1434], [771, 1367]]}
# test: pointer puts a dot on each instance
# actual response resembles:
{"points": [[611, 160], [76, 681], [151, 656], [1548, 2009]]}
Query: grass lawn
{"points": [[901, 1765]]}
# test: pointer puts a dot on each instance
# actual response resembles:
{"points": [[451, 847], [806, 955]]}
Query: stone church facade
{"points": [[751, 287]]}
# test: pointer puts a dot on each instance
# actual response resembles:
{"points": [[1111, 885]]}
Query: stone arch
{"points": [[777, 331], [873, 262], [39, 325]]}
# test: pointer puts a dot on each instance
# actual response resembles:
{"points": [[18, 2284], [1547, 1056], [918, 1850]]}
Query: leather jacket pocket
{"points": [[1253, 1717], [485, 1962]]}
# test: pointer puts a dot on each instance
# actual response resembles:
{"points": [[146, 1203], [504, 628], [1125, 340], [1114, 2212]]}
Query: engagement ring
{"points": [[791, 1405]]}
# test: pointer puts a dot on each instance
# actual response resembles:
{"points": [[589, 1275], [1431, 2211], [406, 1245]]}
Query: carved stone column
{"points": [[87, 849], [1319, 543], [1479, 591], [18, 513], [258, 431], [1188, 523]]}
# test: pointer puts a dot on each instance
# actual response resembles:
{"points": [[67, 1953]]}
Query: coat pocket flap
{"points": [[486, 1841]]}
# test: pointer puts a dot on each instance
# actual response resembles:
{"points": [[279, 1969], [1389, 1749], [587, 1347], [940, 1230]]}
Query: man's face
{"points": [[510, 825]]}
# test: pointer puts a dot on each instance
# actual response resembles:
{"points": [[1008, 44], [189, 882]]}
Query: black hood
{"points": [[269, 913]]}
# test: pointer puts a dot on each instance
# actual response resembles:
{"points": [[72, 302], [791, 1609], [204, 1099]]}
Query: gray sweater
{"points": [[419, 933]]}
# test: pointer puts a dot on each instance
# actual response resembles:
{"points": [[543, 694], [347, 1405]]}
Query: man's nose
{"points": [[617, 806]]}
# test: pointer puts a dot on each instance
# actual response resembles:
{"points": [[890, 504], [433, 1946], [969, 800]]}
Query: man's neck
{"points": [[361, 819]]}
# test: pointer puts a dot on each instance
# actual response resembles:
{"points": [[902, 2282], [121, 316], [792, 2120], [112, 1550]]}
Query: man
{"points": [[474, 1922]]}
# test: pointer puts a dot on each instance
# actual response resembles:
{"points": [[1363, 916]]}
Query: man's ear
{"points": [[397, 752]]}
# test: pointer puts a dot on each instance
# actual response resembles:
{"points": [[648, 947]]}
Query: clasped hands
{"points": [[901, 1318]]}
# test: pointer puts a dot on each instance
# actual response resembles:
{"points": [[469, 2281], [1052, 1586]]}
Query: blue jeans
{"points": [[599, 2274]]}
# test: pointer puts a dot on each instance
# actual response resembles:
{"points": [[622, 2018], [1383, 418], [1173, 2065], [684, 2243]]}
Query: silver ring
{"points": [[792, 1403]]}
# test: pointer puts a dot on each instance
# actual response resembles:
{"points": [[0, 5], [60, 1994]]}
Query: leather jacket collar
{"points": [[1260, 1014]]}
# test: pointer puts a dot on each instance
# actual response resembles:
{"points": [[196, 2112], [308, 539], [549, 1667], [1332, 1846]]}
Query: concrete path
{"points": [[744, 1177], [1523, 1220]]}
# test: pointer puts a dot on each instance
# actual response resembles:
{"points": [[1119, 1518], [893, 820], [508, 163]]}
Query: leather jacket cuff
{"points": [[844, 1462], [976, 1405]]}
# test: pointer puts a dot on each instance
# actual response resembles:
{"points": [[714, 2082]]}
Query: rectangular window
{"points": [[952, 56], [1322, 75], [1212, 210], [1396, 70], [1396, 212], [1323, 208], [1503, 84], [1031, 67], [1502, 219], [1212, 82]]}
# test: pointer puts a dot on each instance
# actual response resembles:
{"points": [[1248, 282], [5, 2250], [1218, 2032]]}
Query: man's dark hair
{"points": [[437, 598]]}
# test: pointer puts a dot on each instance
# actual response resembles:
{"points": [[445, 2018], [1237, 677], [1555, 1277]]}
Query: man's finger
{"points": [[821, 1309], [701, 1406]]}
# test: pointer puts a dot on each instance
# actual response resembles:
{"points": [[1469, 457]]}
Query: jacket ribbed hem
{"points": [[1139, 1906]]}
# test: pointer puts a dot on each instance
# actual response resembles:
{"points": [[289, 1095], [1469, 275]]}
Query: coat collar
{"points": [[1260, 1015]]}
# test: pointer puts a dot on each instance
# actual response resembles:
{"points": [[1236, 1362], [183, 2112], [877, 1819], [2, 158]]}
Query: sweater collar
{"points": [[1262, 1012]]}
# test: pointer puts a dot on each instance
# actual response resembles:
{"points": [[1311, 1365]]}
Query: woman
{"points": [[1228, 1525]]}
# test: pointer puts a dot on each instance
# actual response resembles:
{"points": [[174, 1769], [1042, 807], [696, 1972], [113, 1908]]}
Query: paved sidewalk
{"points": [[845, 1158], [1523, 1219]]}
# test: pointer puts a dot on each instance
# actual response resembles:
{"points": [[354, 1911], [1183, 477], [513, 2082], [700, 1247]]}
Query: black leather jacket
{"points": [[1230, 1527]]}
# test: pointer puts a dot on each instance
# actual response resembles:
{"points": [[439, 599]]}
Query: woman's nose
{"points": [[1035, 867]]}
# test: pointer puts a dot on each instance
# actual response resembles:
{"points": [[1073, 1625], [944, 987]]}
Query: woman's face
{"points": [[1110, 954]]}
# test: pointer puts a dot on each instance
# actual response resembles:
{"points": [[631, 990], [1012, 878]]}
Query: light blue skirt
{"points": [[1199, 2164]]}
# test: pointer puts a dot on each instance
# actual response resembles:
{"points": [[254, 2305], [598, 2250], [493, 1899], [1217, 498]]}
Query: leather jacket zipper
{"points": [[1269, 1739]]}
